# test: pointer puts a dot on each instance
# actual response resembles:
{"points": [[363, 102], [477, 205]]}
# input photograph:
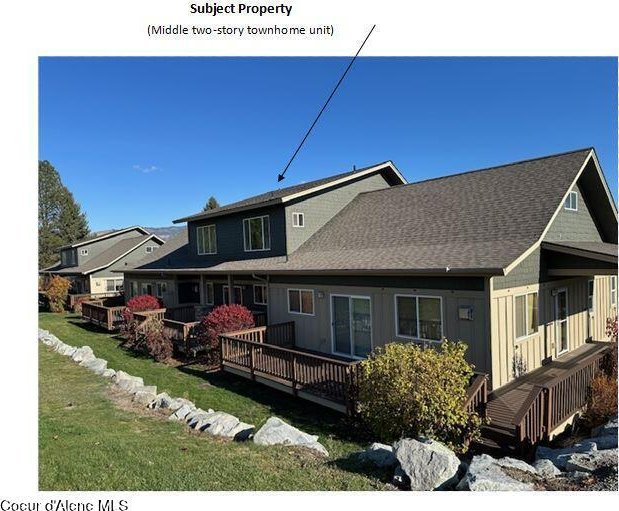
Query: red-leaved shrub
{"points": [[222, 319], [155, 342], [129, 327]]}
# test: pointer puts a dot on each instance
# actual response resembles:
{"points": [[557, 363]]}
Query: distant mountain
{"points": [[166, 233]]}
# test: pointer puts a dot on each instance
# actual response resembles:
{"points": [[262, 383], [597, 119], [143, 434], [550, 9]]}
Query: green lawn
{"points": [[87, 442]]}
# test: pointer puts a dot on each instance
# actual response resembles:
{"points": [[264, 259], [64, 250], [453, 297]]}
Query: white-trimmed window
{"points": [[210, 293], [419, 317], [525, 315], [83, 251], [147, 288], [613, 290], [571, 201], [238, 295], [113, 285], [256, 233], [134, 288], [149, 249], [260, 294], [162, 289], [298, 219], [207, 239], [301, 301]]}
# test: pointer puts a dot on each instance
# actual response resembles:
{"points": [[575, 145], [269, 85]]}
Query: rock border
{"points": [[211, 422]]}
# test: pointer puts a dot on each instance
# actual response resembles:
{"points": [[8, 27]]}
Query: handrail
{"points": [[524, 409], [293, 352], [549, 403], [477, 390]]}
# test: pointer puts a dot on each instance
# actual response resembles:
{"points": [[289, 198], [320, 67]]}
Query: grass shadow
{"points": [[354, 464], [304, 414]]}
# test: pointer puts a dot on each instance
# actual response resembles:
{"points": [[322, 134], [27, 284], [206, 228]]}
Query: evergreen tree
{"points": [[61, 220], [211, 203]]}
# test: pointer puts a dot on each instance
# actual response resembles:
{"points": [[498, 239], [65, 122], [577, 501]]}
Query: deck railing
{"points": [[319, 376], [477, 394], [182, 334], [550, 404], [109, 318], [182, 313], [279, 334]]}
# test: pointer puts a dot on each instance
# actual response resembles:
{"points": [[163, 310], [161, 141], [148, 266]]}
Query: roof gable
{"points": [[88, 241], [283, 195]]}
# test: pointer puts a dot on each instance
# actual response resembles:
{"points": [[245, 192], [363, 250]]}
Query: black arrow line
{"points": [[280, 177]]}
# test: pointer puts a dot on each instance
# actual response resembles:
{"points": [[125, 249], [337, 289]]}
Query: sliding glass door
{"points": [[351, 323]]}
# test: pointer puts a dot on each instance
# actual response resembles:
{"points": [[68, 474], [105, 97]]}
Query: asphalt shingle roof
{"points": [[105, 258], [274, 196], [478, 221]]}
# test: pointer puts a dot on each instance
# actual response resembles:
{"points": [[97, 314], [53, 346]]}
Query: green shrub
{"points": [[408, 391]]}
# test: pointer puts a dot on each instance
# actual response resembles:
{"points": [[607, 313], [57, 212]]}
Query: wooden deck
{"points": [[538, 402]]}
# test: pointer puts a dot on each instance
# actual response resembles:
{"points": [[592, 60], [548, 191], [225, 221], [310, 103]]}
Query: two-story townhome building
{"points": [[269, 227], [518, 261], [93, 264]]}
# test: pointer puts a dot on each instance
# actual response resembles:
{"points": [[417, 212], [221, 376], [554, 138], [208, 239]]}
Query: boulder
{"points": [[127, 382], [81, 353], [226, 425], [380, 455], [591, 461], [96, 365], [162, 400], [200, 419], [546, 468], [276, 432], [144, 395], [181, 413], [604, 442], [610, 428], [560, 456], [488, 474], [179, 402], [108, 373], [428, 464]]}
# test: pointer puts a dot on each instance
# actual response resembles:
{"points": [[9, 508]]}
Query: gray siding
{"points": [[314, 332], [229, 232], [322, 207], [527, 272], [96, 248], [129, 260], [574, 225]]}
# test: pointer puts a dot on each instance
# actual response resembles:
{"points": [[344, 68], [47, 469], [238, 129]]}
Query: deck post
{"points": [[293, 374], [251, 362], [221, 351], [548, 412]]}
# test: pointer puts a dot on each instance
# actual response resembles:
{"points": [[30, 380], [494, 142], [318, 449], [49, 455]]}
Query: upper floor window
{"points": [[207, 239], [149, 249], [298, 220], [613, 290], [419, 317], [260, 294], [571, 202], [525, 315], [84, 251], [256, 233], [67, 257]]}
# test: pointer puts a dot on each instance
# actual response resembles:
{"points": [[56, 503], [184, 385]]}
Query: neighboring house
{"points": [[92, 264], [518, 261]]}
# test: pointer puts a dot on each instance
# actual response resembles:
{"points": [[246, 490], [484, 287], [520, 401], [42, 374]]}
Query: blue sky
{"points": [[147, 140]]}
